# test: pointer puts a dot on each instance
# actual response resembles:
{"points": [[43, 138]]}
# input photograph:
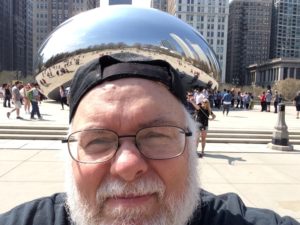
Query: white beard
{"points": [[173, 209]]}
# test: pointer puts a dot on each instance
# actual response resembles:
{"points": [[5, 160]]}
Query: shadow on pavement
{"points": [[230, 160]]}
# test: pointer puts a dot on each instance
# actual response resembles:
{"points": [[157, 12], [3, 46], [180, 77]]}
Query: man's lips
{"points": [[129, 200]]}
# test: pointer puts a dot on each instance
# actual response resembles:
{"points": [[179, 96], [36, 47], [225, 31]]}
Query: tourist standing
{"points": [[268, 100], [297, 104], [276, 101], [263, 103], [7, 95]]}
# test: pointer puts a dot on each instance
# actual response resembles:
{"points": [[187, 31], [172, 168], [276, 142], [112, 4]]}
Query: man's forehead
{"points": [[131, 86]]}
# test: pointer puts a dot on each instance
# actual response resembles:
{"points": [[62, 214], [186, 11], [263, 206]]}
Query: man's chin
{"points": [[141, 204]]}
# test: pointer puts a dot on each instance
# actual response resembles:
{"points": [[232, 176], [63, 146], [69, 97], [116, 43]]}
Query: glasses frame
{"points": [[67, 140]]}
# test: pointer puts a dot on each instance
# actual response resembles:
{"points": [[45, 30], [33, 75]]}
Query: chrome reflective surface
{"points": [[124, 30]]}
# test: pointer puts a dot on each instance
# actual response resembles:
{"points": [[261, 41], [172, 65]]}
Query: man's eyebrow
{"points": [[162, 121]]}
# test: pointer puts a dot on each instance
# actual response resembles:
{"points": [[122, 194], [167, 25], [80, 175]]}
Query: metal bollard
{"points": [[280, 138]]}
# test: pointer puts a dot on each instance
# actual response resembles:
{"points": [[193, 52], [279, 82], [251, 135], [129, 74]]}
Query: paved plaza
{"points": [[263, 178]]}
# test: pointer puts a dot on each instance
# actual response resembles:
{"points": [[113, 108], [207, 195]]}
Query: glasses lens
{"points": [[93, 146], [161, 142]]}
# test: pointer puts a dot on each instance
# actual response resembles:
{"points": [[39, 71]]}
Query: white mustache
{"points": [[116, 188]]}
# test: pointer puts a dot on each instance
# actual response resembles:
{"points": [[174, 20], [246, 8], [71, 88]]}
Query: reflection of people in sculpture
{"points": [[195, 78]]}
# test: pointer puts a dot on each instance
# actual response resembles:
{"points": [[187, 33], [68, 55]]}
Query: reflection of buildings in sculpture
{"points": [[168, 44], [193, 52], [274, 70], [187, 51], [210, 18]]}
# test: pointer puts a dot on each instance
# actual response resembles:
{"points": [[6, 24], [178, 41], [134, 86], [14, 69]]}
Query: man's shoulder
{"points": [[47, 211], [14, 88], [229, 209]]}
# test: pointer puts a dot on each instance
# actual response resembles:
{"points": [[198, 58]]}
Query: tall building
{"points": [[48, 14], [159, 4], [210, 18], [286, 29], [6, 35], [249, 35], [14, 55], [144, 3], [29, 35], [119, 2]]}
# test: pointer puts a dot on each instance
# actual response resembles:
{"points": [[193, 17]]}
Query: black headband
{"points": [[108, 68]]}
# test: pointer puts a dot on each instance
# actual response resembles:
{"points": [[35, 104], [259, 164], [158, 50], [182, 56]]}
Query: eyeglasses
{"points": [[101, 145]]}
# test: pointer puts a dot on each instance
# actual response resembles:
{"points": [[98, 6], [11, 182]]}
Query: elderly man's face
{"points": [[130, 189]]}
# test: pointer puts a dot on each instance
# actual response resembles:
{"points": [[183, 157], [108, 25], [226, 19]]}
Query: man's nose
{"points": [[128, 163]]}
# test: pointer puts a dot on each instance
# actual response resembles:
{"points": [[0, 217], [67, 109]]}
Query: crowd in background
{"points": [[225, 100], [20, 95]]}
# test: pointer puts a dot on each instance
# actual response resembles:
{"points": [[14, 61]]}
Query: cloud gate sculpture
{"points": [[124, 30]]}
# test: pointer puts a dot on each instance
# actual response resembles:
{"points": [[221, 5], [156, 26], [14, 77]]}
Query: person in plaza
{"points": [[16, 98], [189, 106], [268, 100], [296, 102], [7, 95], [26, 101], [263, 103], [251, 103], [238, 99], [246, 99], [199, 94], [203, 115], [276, 101], [34, 97], [227, 98], [63, 97], [131, 153]]}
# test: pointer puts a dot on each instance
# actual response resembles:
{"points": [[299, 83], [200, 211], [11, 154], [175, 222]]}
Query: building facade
{"points": [[210, 18], [286, 29], [159, 4], [274, 70], [249, 34], [14, 38], [6, 35]]}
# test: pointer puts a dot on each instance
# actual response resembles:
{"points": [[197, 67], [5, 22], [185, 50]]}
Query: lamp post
{"points": [[280, 137]]}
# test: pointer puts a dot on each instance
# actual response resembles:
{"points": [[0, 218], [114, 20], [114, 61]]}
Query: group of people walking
{"points": [[27, 95]]}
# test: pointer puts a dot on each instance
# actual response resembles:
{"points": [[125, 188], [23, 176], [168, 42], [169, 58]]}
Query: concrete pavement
{"points": [[262, 177]]}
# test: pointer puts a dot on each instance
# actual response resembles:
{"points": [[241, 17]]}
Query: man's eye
{"points": [[99, 141], [155, 135]]}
